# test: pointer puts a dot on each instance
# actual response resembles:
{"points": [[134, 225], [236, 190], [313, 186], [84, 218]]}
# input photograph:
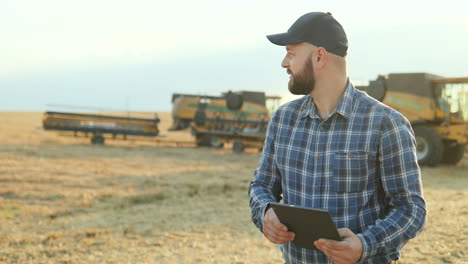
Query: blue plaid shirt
{"points": [[359, 164]]}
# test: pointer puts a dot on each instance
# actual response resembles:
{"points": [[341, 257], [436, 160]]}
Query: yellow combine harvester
{"points": [[240, 118], [436, 107], [97, 126], [184, 106]]}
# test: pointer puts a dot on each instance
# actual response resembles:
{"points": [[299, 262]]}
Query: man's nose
{"points": [[285, 63]]}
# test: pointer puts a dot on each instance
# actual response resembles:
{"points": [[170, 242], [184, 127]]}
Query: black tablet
{"points": [[308, 224]]}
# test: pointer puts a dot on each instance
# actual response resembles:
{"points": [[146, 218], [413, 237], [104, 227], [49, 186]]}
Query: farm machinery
{"points": [[97, 126], [239, 118], [184, 106], [436, 107]]}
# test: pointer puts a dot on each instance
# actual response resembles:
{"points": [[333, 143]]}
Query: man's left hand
{"points": [[348, 250]]}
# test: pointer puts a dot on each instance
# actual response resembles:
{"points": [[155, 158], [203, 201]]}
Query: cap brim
{"points": [[283, 39]]}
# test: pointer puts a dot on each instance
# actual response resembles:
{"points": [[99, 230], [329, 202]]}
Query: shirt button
{"points": [[318, 156], [321, 128], [315, 187], [350, 155]]}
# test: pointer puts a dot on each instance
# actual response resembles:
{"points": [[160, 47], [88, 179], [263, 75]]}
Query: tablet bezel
{"points": [[308, 224]]}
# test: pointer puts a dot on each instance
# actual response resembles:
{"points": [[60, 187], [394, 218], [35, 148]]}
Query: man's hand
{"points": [[348, 250], [274, 231]]}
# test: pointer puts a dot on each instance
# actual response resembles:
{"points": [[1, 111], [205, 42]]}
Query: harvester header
{"points": [[98, 125]]}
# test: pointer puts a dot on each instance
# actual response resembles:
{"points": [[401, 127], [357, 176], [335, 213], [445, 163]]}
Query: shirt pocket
{"points": [[351, 171]]}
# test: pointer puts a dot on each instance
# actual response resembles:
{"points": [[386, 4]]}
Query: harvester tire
{"points": [[97, 139], [215, 142], [238, 146], [429, 146], [203, 141], [234, 101], [453, 153]]}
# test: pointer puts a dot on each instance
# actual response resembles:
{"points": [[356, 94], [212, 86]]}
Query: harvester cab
{"points": [[436, 107]]}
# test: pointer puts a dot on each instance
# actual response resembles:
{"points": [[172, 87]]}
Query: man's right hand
{"points": [[274, 231]]}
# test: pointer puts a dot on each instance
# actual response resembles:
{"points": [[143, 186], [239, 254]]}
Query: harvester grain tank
{"points": [[437, 108]]}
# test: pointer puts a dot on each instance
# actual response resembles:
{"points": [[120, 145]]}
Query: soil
{"points": [[63, 200]]}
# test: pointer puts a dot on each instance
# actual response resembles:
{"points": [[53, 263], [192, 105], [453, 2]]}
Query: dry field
{"points": [[63, 200]]}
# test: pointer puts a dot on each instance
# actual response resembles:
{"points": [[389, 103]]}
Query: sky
{"points": [[133, 55]]}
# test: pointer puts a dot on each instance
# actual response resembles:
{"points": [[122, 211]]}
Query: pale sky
{"points": [[116, 54]]}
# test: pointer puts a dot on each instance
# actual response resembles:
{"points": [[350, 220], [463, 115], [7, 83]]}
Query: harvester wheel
{"points": [[234, 101], [97, 139], [215, 142], [429, 146], [202, 140], [453, 152], [209, 141], [238, 146]]}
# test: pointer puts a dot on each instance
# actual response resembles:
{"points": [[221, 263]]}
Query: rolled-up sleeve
{"points": [[401, 182]]}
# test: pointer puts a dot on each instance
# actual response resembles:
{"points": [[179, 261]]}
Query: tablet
{"points": [[308, 224]]}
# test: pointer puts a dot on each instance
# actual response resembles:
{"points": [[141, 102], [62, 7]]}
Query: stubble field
{"points": [[63, 200]]}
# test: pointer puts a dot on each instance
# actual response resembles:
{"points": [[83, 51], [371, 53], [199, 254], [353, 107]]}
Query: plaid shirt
{"points": [[359, 164]]}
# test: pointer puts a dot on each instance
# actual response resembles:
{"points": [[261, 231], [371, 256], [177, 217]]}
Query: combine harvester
{"points": [[239, 118], [97, 126], [436, 107]]}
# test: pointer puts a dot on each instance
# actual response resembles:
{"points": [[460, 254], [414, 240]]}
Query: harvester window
{"points": [[454, 98], [272, 103]]}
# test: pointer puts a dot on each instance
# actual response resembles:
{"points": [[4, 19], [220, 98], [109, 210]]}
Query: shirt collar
{"points": [[307, 108], [344, 107]]}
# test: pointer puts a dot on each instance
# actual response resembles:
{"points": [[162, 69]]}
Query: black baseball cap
{"points": [[317, 28]]}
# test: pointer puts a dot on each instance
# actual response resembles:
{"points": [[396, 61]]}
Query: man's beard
{"points": [[303, 83]]}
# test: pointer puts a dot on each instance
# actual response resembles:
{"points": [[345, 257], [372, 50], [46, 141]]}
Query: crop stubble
{"points": [[63, 200]]}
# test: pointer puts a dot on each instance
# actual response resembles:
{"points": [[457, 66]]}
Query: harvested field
{"points": [[63, 200]]}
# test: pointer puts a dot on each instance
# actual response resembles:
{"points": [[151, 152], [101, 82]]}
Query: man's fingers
{"points": [[329, 243], [279, 225], [275, 235], [275, 231], [327, 248], [349, 250], [335, 255], [275, 238], [345, 232], [272, 219]]}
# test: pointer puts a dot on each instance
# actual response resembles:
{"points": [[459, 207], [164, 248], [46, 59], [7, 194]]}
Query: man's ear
{"points": [[321, 57]]}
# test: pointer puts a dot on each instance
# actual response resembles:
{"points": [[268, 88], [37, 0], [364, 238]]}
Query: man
{"points": [[339, 150]]}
